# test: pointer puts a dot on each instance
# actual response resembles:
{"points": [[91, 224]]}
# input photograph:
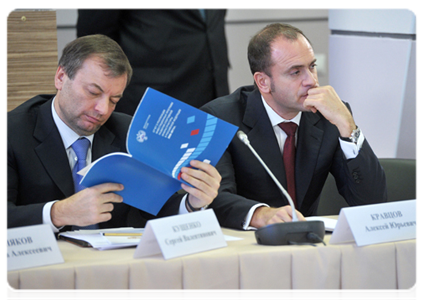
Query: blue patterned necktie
{"points": [[80, 147]]}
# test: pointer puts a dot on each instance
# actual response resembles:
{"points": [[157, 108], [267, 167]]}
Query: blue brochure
{"points": [[165, 135]]}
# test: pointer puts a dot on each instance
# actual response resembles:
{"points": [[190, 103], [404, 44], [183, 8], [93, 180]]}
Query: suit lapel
{"points": [[51, 151], [103, 143], [197, 14], [308, 146], [263, 140], [262, 136]]}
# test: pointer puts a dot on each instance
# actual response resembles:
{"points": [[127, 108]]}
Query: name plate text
{"points": [[376, 223], [181, 235], [32, 246]]}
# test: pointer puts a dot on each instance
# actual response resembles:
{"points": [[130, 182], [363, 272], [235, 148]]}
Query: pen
{"points": [[121, 234]]}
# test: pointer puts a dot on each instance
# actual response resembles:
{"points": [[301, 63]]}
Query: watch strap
{"points": [[354, 136], [193, 208]]}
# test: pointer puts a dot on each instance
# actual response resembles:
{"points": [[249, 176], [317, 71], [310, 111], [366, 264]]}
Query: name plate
{"points": [[376, 223], [32, 246], [181, 235]]}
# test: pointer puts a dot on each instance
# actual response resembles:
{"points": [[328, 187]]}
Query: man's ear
{"points": [[59, 78], [263, 82]]}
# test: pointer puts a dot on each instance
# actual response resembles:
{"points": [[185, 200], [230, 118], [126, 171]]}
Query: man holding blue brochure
{"points": [[92, 75]]}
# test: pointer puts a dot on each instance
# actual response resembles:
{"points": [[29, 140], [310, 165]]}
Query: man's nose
{"points": [[102, 105], [311, 79]]}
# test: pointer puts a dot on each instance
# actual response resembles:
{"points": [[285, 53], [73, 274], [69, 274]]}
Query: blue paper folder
{"points": [[164, 136]]}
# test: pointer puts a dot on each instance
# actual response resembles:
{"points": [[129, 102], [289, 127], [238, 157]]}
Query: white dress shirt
{"points": [[350, 150]]}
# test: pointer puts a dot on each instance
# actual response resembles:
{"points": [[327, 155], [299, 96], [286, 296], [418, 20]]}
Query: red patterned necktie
{"points": [[289, 157]]}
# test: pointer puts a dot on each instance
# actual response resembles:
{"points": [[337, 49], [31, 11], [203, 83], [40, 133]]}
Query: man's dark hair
{"points": [[259, 55], [76, 52]]}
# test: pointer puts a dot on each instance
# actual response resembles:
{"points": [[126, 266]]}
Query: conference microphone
{"points": [[290, 233]]}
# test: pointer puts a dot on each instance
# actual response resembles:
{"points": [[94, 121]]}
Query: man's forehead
{"points": [[291, 52], [95, 62], [98, 65], [95, 74]]}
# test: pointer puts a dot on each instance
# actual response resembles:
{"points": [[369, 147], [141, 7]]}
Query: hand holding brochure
{"points": [[165, 135]]}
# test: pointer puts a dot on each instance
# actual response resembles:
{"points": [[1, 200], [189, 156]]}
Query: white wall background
{"points": [[372, 58], [367, 55]]}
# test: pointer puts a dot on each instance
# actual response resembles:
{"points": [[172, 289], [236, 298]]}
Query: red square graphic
{"points": [[195, 132]]}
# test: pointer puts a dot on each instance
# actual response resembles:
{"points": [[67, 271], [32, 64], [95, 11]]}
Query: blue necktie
{"points": [[80, 147], [203, 14]]}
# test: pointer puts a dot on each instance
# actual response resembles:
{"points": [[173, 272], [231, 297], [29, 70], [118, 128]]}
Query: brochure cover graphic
{"points": [[165, 135]]}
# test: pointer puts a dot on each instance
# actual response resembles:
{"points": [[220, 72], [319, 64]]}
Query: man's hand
{"points": [[89, 206], [326, 100], [205, 181], [267, 215]]}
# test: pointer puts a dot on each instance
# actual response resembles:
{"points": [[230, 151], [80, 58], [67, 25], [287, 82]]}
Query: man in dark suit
{"points": [[91, 77], [327, 139], [182, 53]]}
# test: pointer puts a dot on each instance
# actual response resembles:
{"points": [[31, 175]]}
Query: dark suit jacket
{"points": [[173, 51], [38, 168], [245, 182]]}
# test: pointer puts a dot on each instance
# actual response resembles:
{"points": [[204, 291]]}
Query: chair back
{"points": [[400, 180]]}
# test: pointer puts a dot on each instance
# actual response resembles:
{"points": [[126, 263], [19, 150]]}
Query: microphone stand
{"points": [[295, 232]]}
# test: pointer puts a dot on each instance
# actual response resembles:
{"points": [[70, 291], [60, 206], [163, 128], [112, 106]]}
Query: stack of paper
{"points": [[104, 239]]}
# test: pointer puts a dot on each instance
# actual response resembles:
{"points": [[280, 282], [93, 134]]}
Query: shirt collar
{"points": [[68, 135], [275, 119]]}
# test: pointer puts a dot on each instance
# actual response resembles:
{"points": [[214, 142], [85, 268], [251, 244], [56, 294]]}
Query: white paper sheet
{"points": [[330, 224]]}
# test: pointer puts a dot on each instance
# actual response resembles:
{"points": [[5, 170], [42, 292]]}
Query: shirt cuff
{"points": [[47, 216], [182, 207], [350, 149], [246, 225]]}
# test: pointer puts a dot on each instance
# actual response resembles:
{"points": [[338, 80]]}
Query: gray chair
{"points": [[400, 181]]}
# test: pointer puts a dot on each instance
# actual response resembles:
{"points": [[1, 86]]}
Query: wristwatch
{"points": [[195, 209], [354, 136]]}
